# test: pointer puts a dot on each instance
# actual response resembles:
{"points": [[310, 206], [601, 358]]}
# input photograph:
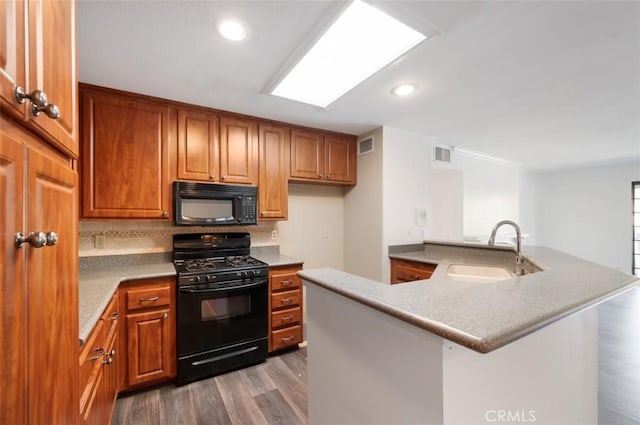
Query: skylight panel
{"points": [[359, 43]]}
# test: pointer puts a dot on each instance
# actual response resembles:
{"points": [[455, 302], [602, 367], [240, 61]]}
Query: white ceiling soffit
{"points": [[545, 83]]}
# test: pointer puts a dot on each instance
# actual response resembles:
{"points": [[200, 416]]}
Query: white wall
{"points": [[587, 212], [406, 185], [491, 193], [363, 215], [315, 229], [447, 202]]}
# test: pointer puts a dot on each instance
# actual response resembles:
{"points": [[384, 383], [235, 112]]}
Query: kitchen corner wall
{"points": [[132, 237], [380, 211], [585, 211]]}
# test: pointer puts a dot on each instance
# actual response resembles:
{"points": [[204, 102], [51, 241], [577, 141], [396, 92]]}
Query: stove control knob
{"points": [[197, 279], [244, 275]]}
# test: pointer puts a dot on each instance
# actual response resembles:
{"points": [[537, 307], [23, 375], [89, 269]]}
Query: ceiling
{"points": [[548, 84]]}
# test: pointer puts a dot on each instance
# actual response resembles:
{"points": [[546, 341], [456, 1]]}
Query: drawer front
{"points": [[285, 299], [91, 356], [287, 317], [110, 318], [411, 273], [285, 281], [286, 337], [150, 297]]}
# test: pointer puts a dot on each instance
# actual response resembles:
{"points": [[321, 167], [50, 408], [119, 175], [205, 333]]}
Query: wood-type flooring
{"points": [[275, 393]]}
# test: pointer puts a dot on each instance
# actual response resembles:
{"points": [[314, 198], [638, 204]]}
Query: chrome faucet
{"points": [[519, 257]]}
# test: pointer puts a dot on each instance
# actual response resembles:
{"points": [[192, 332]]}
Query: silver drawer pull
{"points": [[286, 318], [286, 282], [149, 299], [286, 338], [100, 352], [114, 316], [286, 300]]}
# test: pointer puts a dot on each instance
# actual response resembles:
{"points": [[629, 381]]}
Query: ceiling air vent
{"points": [[442, 154], [365, 145]]}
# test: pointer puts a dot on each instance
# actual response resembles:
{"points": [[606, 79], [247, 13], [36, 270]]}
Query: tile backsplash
{"points": [[122, 238]]}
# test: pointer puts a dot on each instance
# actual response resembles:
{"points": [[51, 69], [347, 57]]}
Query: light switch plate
{"points": [[421, 217]]}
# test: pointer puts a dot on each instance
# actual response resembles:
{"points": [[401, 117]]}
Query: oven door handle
{"points": [[192, 290]]}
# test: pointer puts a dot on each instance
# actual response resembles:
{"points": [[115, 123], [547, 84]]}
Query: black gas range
{"points": [[222, 304]]}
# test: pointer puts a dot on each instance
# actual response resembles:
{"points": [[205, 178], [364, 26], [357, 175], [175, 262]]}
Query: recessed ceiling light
{"points": [[360, 42], [404, 89], [232, 30]]}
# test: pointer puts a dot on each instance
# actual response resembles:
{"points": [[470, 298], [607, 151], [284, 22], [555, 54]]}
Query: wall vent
{"points": [[365, 146], [442, 154]]}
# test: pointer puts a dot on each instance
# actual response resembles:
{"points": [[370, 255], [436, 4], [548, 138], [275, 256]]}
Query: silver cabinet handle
{"points": [[39, 102], [166, 315], [36, 239], [165, 214], [223, 177], [212, 177], [149, 299], [108, 360], [114, 316], [286, 282], [100, 352], [52, 238]]}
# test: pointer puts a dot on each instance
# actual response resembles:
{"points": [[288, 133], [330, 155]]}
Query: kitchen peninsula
{"points": [[447, 350]]}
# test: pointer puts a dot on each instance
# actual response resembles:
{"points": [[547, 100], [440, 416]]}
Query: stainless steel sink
{"points": [[477, 273]]}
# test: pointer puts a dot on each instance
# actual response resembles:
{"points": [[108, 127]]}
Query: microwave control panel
{"points": [[248, 213]]}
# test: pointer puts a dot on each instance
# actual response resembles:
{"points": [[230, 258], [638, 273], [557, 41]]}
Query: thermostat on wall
{"points": [[421, 217]]}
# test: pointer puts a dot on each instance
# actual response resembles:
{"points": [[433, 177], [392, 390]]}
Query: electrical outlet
{"points": [[100, 241], [274, 235]]}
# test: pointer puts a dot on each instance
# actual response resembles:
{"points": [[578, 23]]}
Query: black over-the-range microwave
{"points": [[211, 204]]}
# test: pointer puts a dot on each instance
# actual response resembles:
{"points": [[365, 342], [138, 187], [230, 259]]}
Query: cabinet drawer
{"points": [[110, 318], [285, 317], [286, 337], [285, 280], [91, 356], [149, 297], [410, 273], [407, 271], [285, 299]]}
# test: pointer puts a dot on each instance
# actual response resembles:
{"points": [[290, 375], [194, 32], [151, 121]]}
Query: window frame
{"points": [[635, 227]]}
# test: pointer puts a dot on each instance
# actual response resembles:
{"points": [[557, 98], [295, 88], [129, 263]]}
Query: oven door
{"points": [[212, 316]]}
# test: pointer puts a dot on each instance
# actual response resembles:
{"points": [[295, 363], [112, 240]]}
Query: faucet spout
{"points": [[519, 257]]}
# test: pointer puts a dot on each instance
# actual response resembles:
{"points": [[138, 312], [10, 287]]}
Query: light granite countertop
{"points": [[482, 316], [100, 277]]}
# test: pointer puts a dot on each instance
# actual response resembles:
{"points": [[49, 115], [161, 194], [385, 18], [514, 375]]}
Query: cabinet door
{"points": [[124, 158], [52, 304], [52, 68], [149, 346], [273, 192], [306, 156], [12, 289], [110, 371], [339, 159], [197, 146], [12, 54], [238, 151]]}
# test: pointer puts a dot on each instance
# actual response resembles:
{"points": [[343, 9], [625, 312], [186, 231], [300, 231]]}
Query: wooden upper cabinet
{"points": [[51, 59], [306, 155], [340, 159], [197, 146], [238, 151], [12, 55], [273, 192], [52, 68], [125, 165], [322, 158]]}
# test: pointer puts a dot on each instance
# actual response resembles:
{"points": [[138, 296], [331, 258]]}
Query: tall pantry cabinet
{"points": [[38, 213]]}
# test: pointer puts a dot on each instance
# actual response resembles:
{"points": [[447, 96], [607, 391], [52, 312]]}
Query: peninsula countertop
{"points": [[482, 316]]}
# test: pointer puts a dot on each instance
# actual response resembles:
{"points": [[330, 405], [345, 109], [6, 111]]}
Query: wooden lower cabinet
{"points": [[38, 285], [285, 307], [99, 362], [408, 271], [148, 332]]}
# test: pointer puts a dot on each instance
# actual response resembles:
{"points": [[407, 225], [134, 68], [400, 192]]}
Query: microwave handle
{"points": [[192, 290]]}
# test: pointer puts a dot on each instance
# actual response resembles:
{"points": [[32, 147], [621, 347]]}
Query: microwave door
{"points": [[207, 211]]}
